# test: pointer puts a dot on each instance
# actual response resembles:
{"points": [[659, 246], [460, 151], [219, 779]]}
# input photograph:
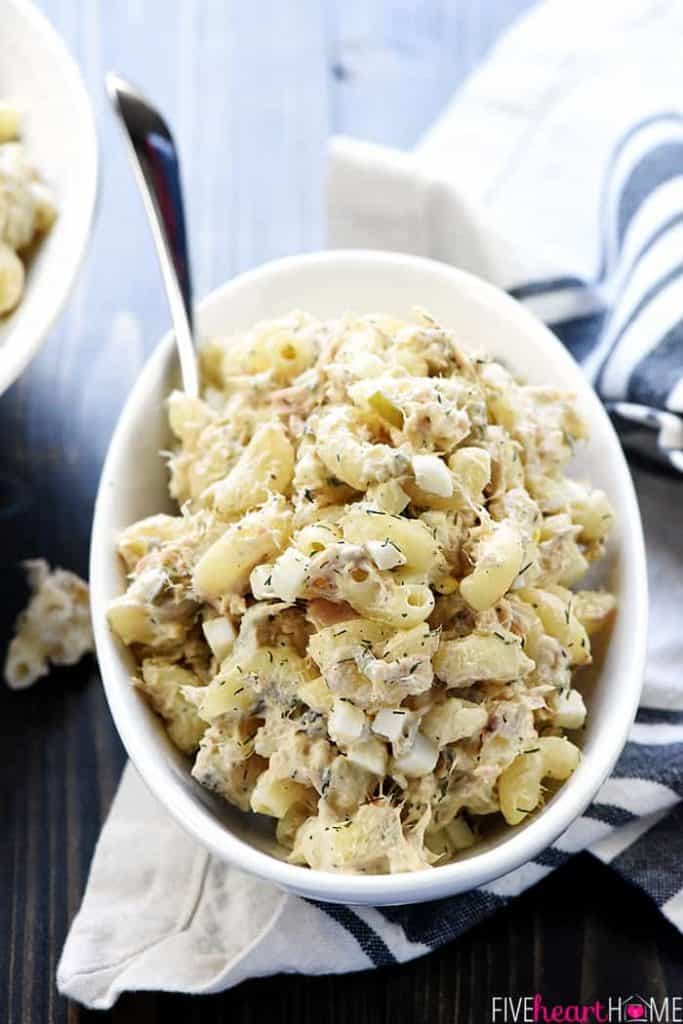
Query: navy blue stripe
{"points": [[552, 857], [654, 376], [654, 862], [652, 292], [580, 334], [367, 938], [552, 284], [659, 716], [661, 164], [608, 184], [657, 373], [650, 242], [617, 817], [653, 762], [444, 920]]}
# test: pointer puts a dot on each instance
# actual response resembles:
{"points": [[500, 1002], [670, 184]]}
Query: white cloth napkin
{"points": [[509, 184]]}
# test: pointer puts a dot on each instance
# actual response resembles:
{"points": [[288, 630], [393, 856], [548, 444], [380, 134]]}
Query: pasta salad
{"points": [[27, 209], [365, 620]]}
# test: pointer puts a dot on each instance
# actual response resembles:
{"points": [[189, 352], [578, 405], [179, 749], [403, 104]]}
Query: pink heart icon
{"points": [[635, 1012]]}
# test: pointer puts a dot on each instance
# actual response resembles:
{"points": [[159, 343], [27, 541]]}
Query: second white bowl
{"points": [[38, 74]]}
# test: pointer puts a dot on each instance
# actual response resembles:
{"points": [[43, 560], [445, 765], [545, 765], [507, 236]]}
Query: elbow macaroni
{"points": [[519, 785], [361, 623]]}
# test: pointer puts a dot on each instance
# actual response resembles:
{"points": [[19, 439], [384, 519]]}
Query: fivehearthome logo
{"points": [[631, 1009], [635, 1008]]}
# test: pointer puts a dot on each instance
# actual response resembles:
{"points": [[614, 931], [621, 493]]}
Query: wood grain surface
{"points": [[254, 89]]}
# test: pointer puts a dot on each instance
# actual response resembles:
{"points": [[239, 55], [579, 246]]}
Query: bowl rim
{"points": [[13, 365], [431, 883]]}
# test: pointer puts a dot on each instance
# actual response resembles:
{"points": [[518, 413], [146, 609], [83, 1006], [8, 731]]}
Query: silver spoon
{"points": [[157, 170]]}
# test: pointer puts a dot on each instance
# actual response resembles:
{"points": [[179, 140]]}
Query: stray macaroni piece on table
{"points": [[363, 622], [55, 626], [27, 209]]}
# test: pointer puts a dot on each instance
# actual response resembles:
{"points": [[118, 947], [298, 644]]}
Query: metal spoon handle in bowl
{"points": [[157, 169]]}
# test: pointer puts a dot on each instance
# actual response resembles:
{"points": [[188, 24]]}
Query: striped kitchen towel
{"points": [[557, 173]]}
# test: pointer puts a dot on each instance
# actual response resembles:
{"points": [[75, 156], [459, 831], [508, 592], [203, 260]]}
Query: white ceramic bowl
{"points": [[134, 484], [38, 73]]}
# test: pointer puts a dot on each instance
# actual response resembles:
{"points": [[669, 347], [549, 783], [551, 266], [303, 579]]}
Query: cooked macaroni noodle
{"points": [[362, 621], [54, 628], [27, 209]]}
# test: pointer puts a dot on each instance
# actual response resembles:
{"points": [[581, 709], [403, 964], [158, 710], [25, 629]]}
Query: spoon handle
{"points": [[157, 169]]}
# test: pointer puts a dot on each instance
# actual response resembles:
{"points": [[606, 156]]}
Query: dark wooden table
{"points": [[254, 89]]}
